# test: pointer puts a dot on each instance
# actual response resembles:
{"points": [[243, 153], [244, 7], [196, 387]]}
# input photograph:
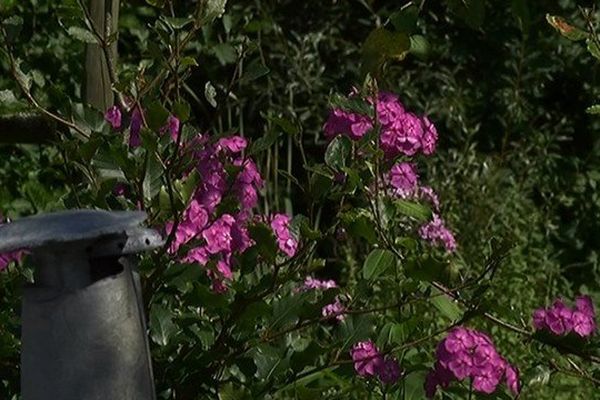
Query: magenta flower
{"points": [[560, 319], [135, 128], [403, 179], [436, 232], [334, 310], [389, 371], [466, 353], [218, 235], [280, 223], [351, 124], [429, 138], [113, 117], [173, 125], [367, 359], [512, 379], [311, 283]]}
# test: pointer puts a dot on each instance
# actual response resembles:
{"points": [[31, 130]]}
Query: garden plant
{"points": [[360, 199]]}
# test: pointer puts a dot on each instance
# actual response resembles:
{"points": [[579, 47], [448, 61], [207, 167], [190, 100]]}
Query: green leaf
{"points": [[156, 116], [162, 327], [264, 143], [225, 52], [82, 34], [382, 45], [595, 109], [265, 241], [255, 70], [377, 262], [446, 305], [414, 385], [182, 110], [337, 152], [414, 210], [593, 48], [427, 269], [537, 376], [178, 23], [405, 20], [153, 177], [210, 93], [564, 28], [213, 9], [419, 46]]}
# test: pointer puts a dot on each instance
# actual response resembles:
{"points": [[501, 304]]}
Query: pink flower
{"points": [[403, 179], [389, 371], [233, 144], [429, 138], [280, 223], [539, 318], [218, 235], [173, 125], [436, 232], [560, 319], [351, 124], [311, 283], [113, 117], [366, 357], [512, 379], [487, 379], [466, 353], [334, 310], [135, 128]]}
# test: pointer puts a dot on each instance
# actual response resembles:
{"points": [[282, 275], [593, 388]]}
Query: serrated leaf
{"points": [[337, 152], [564, 28], [82, 34], [377, 262]]}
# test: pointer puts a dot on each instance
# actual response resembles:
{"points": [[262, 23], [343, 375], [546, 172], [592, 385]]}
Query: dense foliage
{"points": [[361, 199]]}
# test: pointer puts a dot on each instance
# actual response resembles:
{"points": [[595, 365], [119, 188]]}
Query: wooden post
{"points": [[98, 91]]}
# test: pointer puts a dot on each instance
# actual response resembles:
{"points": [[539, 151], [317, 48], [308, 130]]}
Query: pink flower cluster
{"points": [[402, 132], [404, 183], [311, 283], [280, 223], [437, 233], [212, 238], [562, 320], [369, 362], [467, 353]]}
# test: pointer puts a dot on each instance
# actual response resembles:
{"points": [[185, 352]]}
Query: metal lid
{"points": [[66, 226]]}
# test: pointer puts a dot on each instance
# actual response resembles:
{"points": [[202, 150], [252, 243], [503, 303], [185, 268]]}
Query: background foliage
{"points": [[517, 168]]}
